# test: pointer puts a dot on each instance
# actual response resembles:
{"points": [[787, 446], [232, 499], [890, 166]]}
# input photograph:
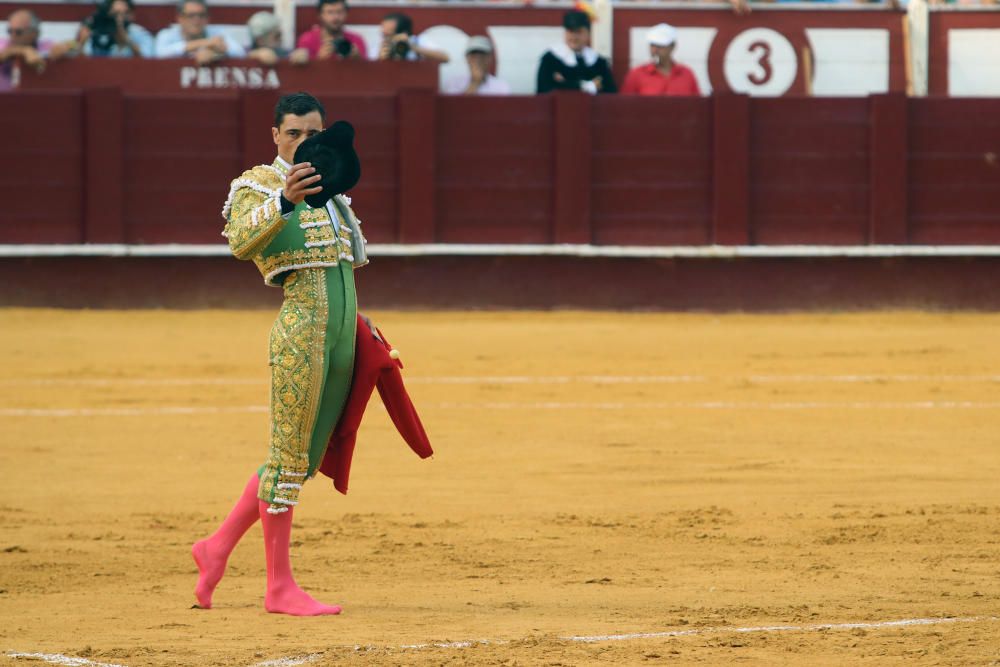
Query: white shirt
{"points": [[457, 85]]}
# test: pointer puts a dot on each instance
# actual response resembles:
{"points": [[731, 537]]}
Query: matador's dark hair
{"points": [[297, 104]]}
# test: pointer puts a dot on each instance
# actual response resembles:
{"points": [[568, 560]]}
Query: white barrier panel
{"points": [[974, 62], [849, 61]]}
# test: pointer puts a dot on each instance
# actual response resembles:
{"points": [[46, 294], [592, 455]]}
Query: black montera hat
{"points": [[331, 153]]}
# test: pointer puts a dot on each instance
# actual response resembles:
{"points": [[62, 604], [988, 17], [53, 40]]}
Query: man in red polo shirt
{"points": [[328, 39], [663, 76]]}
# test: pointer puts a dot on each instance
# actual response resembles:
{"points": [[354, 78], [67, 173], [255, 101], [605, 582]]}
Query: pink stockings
{"points": [[211, 554], [283, 594]]}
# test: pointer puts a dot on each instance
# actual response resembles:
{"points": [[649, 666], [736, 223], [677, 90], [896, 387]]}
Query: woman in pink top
{"points": [[328, 38]]}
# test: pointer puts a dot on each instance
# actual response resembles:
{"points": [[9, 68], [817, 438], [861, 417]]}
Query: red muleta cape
{"points": [[373, 367]]}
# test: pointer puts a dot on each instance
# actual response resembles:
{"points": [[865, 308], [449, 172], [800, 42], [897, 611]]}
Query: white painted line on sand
{"points": [[875, 378], [532, 379], [557, 379], [129, 382], [812, 627], [724, 405], [59, 659], [169, 411], [719, 630], [687, 379], [130, 412], [588, 639], [290, 662], [463, 644]]}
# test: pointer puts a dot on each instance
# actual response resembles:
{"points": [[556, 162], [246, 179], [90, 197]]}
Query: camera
{"points": [[342, 47], [400, 50], [403, 25], [103, 30]]}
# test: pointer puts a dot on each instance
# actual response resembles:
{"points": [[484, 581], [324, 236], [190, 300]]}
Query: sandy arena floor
{"points": [[706, 477]]}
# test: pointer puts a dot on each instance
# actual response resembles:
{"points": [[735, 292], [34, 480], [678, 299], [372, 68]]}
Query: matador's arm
{"points": [[252, 213]]}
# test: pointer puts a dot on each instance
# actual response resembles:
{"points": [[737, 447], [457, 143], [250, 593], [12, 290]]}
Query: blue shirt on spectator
{"points": [[142, 38], [170, 42]]}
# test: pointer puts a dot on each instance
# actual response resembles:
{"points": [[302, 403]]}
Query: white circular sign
{"points": [[760, 61], [452, 40]]}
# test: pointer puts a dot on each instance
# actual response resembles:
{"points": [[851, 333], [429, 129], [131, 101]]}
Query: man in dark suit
{"points": [[574, 65]]}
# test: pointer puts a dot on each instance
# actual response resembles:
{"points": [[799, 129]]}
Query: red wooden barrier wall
{"points": [[99, 166], [42, 181], [954, 184]]}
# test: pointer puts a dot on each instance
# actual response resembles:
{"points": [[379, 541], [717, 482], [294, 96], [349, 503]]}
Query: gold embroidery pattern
{"points": [[253, 221], [292, 259], [297, 353], [254, 214]]}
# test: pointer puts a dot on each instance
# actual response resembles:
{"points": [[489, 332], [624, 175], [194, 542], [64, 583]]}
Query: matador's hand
{"points": [[298, 181]]}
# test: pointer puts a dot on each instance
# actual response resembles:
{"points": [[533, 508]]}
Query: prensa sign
{"points": [[181, 76], [223, 76]]}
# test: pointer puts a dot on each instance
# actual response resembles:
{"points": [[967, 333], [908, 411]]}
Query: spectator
{"points": [[399, 42], [574, 65], [265, 41], [479, 81], [193, 36], [328, 39], [740, 7], [110, 32], [663, 76], [22, 44]]}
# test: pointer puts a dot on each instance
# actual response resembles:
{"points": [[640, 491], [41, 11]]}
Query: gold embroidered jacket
{"points": [[310, 237]]}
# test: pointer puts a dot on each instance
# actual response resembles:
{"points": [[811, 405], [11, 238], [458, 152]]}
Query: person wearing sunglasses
{"points": [[192, 36], [22, 45]]}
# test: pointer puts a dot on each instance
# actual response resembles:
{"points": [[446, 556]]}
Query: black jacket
{"points": [[585, 66]]}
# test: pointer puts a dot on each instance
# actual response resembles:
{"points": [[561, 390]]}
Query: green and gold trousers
{"points": [[312, 359]]}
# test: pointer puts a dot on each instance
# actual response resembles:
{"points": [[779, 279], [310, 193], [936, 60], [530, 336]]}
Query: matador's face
{"points": [[293, 131]]}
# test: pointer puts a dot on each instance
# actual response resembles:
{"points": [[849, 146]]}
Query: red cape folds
{"points": [[372, 367]]}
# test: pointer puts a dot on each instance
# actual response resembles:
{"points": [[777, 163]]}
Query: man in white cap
{"points": [[479, 81], [663, 76]]}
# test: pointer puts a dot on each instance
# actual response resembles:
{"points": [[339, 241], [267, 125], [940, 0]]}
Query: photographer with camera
{"points": [[111, 32], [328, 39], [399, 42]]}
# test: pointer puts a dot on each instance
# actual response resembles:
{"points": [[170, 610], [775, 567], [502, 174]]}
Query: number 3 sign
{"points": [[756, 61]]}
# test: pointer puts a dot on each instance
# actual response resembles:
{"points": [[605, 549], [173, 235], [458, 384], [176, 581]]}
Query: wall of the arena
{"points": [[141, 153], [825, 49], [102, 167]]}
